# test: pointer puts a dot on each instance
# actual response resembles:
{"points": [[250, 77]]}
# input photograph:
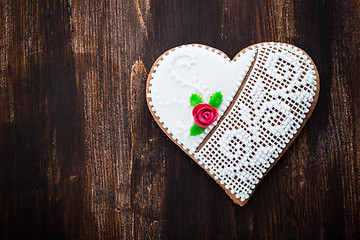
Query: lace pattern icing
{"points": [[264, 118]]}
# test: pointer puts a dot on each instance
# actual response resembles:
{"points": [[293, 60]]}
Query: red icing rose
{"points": [[204, 114]]}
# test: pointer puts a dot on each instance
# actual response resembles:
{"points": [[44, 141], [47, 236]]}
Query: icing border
{"points": [[254, 46]]}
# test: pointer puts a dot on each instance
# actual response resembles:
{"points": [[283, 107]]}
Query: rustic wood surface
{"points": [[82, 158]]}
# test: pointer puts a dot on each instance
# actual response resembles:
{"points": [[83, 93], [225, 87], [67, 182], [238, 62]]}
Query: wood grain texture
{"points": [[82, 158]]}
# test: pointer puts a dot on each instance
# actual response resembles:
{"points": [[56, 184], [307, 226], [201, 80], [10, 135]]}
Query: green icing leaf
{"points": [[195, 99], [216, 99], [196, 130]]}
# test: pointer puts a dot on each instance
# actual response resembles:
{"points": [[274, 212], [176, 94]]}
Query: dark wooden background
{"points": [[82, 158]]}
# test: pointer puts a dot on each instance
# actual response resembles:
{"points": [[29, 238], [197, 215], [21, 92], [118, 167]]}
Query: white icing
{"points": [[193, 69], [266, 115]]}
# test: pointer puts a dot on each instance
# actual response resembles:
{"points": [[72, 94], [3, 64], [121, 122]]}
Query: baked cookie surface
{"points": [[265, 95]]}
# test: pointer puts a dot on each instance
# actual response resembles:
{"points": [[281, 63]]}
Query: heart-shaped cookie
{"points": [[235, 118]]}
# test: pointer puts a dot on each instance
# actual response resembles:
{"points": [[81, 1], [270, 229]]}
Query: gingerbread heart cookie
{"points": [[235, 118]]}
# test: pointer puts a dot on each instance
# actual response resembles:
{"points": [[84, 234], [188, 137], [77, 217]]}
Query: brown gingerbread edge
{"points": [[312, 107]]}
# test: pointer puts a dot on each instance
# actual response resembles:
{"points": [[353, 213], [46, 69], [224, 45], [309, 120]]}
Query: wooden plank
{"points": [[82, 158]]}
